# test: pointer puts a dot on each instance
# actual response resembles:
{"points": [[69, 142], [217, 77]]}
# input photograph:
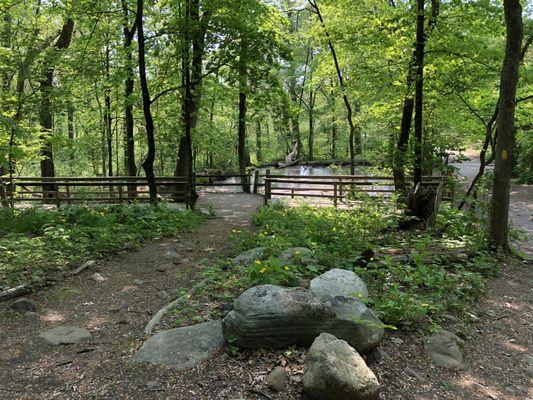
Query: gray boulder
{"points": [[335, 371], [298, 256], [65, 335], [248, 257], [271, 316], [445, 350], [24, 304], [339, 282], [182, 348]]}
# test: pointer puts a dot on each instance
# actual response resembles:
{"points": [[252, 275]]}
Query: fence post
{"points": [[268, 186], [67, 188], [120, 194], [256, 180], [335, 189], [3, 195], [56, 194]]}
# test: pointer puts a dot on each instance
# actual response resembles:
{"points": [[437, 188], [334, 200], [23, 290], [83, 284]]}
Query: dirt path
{"points": [[115, 312]]}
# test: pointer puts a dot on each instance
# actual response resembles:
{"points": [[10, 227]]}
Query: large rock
{"points": [[248, 257], [65, 335], [298, 256], [335, 371], [270, 316], [182, 348], [445, 350], [339, 282]]}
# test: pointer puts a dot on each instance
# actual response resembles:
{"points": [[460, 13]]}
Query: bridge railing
{"points": [[336, 188], [70, 190]]}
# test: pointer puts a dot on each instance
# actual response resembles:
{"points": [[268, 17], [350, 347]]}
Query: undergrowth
{"points": [[36, 241], [411, 293]]}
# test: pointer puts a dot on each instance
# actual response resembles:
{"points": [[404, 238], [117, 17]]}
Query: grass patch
{"points": [[37, 241]]}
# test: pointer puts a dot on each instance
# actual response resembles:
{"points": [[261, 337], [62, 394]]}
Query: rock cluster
{"points": [[270, 316]]}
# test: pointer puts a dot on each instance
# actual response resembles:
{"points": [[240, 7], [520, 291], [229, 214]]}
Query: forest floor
{"points": [[117, 310]]}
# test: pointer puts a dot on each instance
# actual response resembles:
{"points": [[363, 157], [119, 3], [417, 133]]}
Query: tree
{"points": [[506, 131], [46, 113], [148, 163]]}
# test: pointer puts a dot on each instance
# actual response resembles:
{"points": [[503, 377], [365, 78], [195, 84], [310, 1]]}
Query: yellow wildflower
{"points": [[262, 270], [258, 262], [286, 268]]}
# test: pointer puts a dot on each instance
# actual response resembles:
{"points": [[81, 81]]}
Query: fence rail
{"points": [[114, 189], [337, 188], [118, 189]]}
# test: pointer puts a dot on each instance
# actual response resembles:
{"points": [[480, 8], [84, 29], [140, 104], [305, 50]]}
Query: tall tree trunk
{"points": [[258, 140], [334, 128], [401, 150], [311, 137], [46, 112], [506, 131], [400, 154], [107, 115], [70, 122], [192, 68], [130, 167], [419, 91], [243, 78], [148, 163], [355, 134]]}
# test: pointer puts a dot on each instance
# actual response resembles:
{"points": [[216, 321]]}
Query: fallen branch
{"points": [[161, 313], [82, 267], [15, 292]]}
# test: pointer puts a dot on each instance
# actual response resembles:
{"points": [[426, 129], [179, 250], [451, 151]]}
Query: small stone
{"points": [[172, 255], [298, 256], [377, 356], [204, 211], [151, 384], [161, 268], [138, 282], [413, 373], [339, 282], [473, 317], [24, 304], [445, 350], [97, 277], [65, 335], [450, 317], [164, 294], [277, 379], [31, 314], [248, 257]]}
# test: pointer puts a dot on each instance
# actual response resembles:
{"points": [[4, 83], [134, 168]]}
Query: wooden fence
{"points": [[71, 190], [337, 188], [116, 189]]}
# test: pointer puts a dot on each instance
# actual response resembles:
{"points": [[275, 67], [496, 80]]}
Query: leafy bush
{"points": [[35, 241], [410, 294]]}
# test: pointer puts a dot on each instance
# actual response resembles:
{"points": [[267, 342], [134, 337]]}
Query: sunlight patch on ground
{"points": [[52, 316]]}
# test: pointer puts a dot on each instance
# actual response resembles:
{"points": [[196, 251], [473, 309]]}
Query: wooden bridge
{"points": [[335, 189]]}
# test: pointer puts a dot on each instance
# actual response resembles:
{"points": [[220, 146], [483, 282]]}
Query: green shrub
{"points": [[410, 294], [36, 241]]}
